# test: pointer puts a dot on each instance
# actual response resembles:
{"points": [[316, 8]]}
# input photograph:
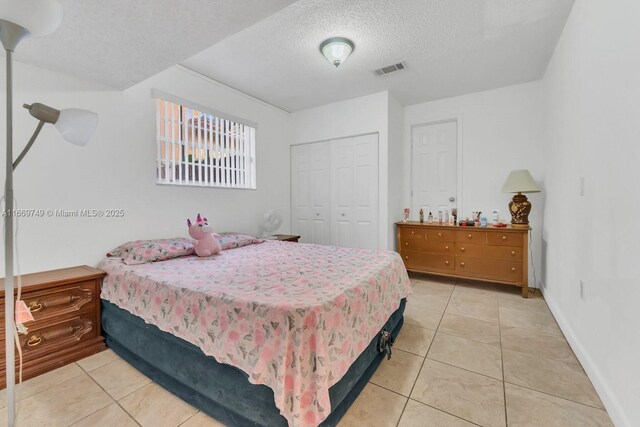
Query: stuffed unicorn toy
{"points": [[205, 242]]}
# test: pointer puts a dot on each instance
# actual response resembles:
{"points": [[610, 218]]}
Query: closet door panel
{"points": [[365, 202], [321, 193], [342, 187]]}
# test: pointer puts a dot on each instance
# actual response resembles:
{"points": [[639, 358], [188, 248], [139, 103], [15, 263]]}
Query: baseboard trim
{"points": [[609, 400]]}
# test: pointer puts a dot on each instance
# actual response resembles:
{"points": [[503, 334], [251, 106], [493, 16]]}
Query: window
{"points": [[202, 148]]}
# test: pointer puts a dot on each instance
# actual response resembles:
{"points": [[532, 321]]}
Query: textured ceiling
{"points": [[122, 42], [451, 47]]}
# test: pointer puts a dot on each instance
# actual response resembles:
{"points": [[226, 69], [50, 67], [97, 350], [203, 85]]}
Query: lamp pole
{"points": [[10, 35]]}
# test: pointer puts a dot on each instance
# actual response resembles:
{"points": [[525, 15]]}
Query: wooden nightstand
{"points": [[286, 237], [66, 308]]}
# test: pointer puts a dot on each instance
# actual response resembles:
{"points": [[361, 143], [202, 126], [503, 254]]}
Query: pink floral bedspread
{"points": [[292, 316]]}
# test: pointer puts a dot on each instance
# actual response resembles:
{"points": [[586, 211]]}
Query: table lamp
{"points": [[520, 181]]}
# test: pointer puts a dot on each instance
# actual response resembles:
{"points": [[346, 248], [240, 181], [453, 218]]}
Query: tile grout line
{"points": [[556, 396], [449, 413], [425, 356], [112, 398], [504, 387]]}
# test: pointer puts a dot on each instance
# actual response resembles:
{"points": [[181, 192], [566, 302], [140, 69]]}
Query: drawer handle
{"points": [[406, 257], [446, 247], [34, 341], [35, 306], [406, 243], [504, 237], [469, 235], [461, 249], [513, 269], [462, 264], [412, 232], [439, 234], [513, 253], [446, 262]]}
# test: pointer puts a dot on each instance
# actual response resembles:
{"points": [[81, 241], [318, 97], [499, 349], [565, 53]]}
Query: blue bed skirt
{"points": [[220, 390]]}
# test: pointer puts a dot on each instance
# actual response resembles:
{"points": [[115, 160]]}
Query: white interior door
{"points": [[310, 199], [434, 168], [354, 192]]}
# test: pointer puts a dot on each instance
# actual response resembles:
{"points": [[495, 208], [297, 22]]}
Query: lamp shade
{"points": [[520, 181], [77, 126], [336, 50], [38, 17]]}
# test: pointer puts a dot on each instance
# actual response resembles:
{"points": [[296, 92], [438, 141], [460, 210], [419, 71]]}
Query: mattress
{"points": [[293, 317], [217, 389]]}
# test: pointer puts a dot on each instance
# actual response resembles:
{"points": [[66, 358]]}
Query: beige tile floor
{"points": [[467, 355]]}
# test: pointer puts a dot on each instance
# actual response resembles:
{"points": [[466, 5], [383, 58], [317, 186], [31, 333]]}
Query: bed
{"points": [[276, 333]]}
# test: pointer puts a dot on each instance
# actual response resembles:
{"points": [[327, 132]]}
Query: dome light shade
{"points": [[336, 49], [38, 17], [77, 126]]}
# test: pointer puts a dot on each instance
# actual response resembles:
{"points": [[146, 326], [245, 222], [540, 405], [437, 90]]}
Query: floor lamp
{"points": [[19, 19]]}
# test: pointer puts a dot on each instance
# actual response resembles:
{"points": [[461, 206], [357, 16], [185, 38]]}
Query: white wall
{"points": [[395, 204], [592, 91], [117, 169], [366, 114], [500, 130]]}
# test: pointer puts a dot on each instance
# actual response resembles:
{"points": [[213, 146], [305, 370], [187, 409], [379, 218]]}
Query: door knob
{"points": [[342, 214], [452, 199], [317, 214]]}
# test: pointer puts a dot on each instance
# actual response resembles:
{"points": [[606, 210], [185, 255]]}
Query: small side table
{"points": [[286, 237]]}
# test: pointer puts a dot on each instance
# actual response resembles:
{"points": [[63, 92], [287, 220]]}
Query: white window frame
{"points": [[208, 149]]}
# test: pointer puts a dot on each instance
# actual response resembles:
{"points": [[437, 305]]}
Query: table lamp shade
{"points": [[520, 181], [38, 17]]}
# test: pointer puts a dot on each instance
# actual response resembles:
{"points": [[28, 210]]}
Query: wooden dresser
{"points": [[489, 254], [66, 309]]}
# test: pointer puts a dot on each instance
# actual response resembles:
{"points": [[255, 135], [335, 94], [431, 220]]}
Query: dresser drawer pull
{"points": [[35, 306], [406, 243], [513, 269], [439, 234], [406, 257], [34, 341], [446, 247], [462, 264], [461, 249], [513, 253], [469, 235], [504, 237], [413, 232], [446, 262]]}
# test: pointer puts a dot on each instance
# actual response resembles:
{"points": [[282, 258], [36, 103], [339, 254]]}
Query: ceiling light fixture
{"points": [[336, 49]]}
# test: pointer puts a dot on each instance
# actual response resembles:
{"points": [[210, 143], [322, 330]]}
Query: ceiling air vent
{"points": [[390, 69]]}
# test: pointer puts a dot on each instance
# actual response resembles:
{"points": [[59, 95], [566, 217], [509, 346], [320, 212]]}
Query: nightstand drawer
{"points": [[56, 335], [58, 301]]}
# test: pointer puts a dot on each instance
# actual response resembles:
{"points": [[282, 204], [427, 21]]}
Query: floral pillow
{"points": [[145, 251], [236, 240]]}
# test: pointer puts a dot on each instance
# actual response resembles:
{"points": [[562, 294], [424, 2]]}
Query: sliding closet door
{"points": [[354, 192], [310, 188]]}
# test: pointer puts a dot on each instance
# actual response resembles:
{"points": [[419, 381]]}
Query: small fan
{"points": [[271, 222]]}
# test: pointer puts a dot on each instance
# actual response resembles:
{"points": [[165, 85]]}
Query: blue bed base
{"points": [[223, 391]]}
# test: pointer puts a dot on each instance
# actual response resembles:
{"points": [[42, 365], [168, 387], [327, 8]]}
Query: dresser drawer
{"points": [[56, 335], [423, 261], [407, 233], [504, 271], [427, 246], [468, 266], [471, 250], [440, 235], [507, 239], [505, 253], [471, 236], [57, 301]]}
